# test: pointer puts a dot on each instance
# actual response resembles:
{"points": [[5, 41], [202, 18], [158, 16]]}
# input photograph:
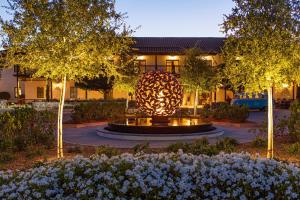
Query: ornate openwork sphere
{"points": [[158, 94]]}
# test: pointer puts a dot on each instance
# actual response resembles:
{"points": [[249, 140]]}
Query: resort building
{"points": [[152, 53]]}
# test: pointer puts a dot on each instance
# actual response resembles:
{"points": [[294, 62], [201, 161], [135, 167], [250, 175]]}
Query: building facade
{"points": [[152, 53]]}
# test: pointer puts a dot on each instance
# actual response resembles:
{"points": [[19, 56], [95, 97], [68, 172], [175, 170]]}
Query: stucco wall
{"points": [[8, 82]]}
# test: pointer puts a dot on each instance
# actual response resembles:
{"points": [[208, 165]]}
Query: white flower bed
{"points": [[155, 176]]}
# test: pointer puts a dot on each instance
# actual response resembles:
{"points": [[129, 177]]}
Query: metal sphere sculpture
{"points": [[158, 94]]}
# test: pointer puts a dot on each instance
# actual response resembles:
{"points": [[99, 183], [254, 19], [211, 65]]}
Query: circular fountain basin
{"points": [[143, 129], [145, 126]]}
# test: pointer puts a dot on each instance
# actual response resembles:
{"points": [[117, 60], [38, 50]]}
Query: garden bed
{"points": [[159, 176]]}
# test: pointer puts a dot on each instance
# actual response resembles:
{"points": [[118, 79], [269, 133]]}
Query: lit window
{"points": [[40, 92], [172, 66]]}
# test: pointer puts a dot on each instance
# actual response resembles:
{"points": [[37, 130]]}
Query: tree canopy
{"points": [[262, 48], [65, 40], [196, 73], [130, 74], [72, 38]]}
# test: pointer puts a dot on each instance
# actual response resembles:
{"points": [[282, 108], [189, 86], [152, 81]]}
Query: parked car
{"points": [[255, 103]]}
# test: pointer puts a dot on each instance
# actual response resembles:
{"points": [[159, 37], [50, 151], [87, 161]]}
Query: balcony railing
{"points": [[163, 68]]}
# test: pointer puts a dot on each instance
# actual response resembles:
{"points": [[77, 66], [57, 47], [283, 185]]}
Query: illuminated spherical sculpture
{"points": [[158, 94]]}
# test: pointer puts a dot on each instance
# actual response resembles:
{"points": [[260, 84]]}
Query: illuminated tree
{"points": [[130, 74], [262, 48], [197, 75], [64, 40], [102, 84]]}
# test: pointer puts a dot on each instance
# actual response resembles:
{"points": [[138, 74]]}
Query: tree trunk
{"points": [[60, 119], [298, 92], [270, 123], [127, 102], [196, 102]]}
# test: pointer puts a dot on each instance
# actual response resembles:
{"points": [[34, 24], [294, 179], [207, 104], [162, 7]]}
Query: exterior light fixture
{"points": [[57, 85], [140, 58], [172, 57], [285, 85]]}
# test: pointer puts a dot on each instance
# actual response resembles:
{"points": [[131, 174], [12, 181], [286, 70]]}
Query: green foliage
{"points": [[227, 144], [294, 148], [25, 127], [262, 46], [259, 141], [6, 157], [294, 121], [68, 38], [102, 83], [141, 148], [196, 74], [130, 74], [108, 151], [224, 111], [74, 149], [202, 146], [34, 152], [238, 113], [97, 110], [4, 95]]}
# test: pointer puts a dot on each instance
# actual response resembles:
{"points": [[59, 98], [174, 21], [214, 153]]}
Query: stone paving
{"points": [[88, 135]]}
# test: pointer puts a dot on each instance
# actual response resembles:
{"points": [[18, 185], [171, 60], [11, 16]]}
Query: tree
{"points": [[65, 40], [262, 48], [102, 83], [130, 74], [197, 75]]}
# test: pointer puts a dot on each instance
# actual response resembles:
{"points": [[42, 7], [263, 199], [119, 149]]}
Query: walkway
{"points": [[88, 135]]}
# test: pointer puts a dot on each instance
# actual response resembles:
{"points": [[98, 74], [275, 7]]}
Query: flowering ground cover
{"points": [[155, 176]]}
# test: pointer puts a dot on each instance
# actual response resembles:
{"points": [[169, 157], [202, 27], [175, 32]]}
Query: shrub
{"points": [[109, 151], [155, 176], [4, 95], [224, 111], [24, 127], [294, 148], [259, 141], [178, 145], [97, 110], [6, 157], [238, 113], [202, 146], [74, 149], [141, 147], [34, 152], [294, 121], [227, 144], [220, 110]]}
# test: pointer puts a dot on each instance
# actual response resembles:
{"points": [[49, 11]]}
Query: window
{"points": [[40, 92], [172, 66], [73, 93]]}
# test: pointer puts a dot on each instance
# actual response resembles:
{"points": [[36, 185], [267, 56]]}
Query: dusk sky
{"points": [[185, 18]]}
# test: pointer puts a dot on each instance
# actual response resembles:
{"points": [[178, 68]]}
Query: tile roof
{"points": [[176, 45]]}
